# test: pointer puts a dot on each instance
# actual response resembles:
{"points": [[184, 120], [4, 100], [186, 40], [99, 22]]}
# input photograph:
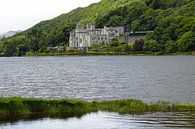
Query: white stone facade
{"points": [[89, 35]]}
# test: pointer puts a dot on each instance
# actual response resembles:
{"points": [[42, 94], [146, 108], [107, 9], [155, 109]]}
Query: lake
{"points": [[105, 120], [147, 78]]}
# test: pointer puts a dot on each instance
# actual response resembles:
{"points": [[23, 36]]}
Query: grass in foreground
{"points": [[26, 106]]}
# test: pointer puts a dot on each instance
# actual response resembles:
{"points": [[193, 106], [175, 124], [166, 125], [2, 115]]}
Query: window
{"points": [[102, 38]]}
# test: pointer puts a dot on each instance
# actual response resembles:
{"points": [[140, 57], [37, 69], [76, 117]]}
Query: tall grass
{"points": [[24, 106], [29, 106]]}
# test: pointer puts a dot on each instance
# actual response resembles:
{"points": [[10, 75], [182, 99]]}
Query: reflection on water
{"points": [[36, 116], [105, 120]]}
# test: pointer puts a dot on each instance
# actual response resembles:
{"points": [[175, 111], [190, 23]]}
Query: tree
{"points": [[171, 46], [127, 48], [10, 46], [116, 21], [138, 45], [135, 10], [162, 4], [34, 37], [114, 42], [66, 31], [9, 49], [135, 25], [61, 34], [151, 45], [186, 41], [22, 49]]}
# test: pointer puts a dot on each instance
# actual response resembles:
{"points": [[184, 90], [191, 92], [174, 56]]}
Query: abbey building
{"points": [[89, 35]]}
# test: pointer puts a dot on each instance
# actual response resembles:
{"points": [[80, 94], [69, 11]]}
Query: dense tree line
{"points": [[173, 30]]}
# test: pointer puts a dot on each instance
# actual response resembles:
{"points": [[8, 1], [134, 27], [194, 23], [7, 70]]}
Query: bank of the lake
{"points": [[31, 106], [144, 53]]}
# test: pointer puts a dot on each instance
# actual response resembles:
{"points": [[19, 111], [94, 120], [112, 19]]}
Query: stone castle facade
{"points": [[87, 36]]}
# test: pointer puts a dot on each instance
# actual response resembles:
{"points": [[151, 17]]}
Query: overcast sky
{"points": [[22, 14]]}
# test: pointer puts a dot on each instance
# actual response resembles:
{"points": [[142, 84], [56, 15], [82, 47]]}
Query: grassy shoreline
{"points": [[111, 54], [30, 106], [142, 53]]}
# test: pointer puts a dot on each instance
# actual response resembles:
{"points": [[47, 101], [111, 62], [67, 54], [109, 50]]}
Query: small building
{"points": [[58, 48], [137, 35]]}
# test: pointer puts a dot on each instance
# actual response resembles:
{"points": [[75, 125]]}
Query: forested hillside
{"points": [[172, 23]]}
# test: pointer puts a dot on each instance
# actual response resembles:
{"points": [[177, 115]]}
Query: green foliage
{"points": [[138, 45], [169, 19], [151, 45], [165, 4], [20, 106], [12, 46], [171, 46], [114, 42], [123, 48], [174, 29], [115, 47], [186, 41], [22, 49], [34, 37], [170, 29], [135, 25], [61, 34], [123, 15], [10, 107], [185, 25], [116, 21], [186, 9]]}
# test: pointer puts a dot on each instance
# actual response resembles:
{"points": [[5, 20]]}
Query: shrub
{"points": [[114, 42], [138, 45], [151, 45], [171, 46], [186, 41]]}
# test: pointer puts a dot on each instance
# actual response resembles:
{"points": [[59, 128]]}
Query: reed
{"points": [[24, 106]]}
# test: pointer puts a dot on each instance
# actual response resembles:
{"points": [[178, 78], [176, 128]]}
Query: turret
{"points": [[90, 27]]}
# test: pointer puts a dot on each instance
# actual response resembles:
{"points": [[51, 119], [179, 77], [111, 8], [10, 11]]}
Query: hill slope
{"points": [[9, 34], [173, 23]]}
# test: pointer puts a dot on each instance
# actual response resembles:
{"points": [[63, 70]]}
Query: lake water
{"points": [[148, 78], [105, 120]]}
